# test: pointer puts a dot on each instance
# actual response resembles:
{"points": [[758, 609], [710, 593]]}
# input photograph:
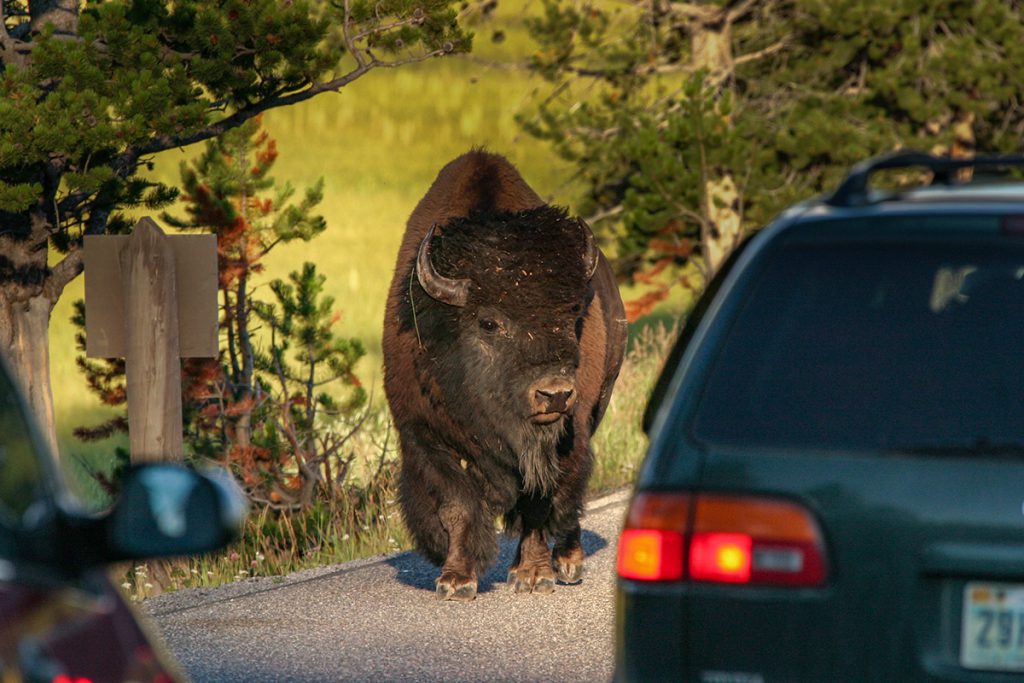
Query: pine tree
{"points": [[306, 426], [244, 408], [90, 90], [693, 123]]}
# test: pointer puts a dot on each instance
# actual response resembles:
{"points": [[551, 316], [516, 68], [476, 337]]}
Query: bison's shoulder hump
{"points": [[479, 181]]}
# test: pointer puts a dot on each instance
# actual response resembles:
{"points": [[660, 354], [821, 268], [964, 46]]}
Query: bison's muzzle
{"points": [[550, 399]]}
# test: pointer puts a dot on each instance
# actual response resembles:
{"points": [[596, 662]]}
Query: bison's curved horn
{"points": [[445, 289], [590, 254]]}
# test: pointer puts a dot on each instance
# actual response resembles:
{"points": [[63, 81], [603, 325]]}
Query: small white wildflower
{"points": [[345, 537], [209, 574], [195, 571], [141, 569], [147, 585], [127, 586], [260, 556]]}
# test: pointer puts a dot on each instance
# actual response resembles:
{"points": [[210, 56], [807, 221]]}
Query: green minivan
{"points": [[834, 489]]}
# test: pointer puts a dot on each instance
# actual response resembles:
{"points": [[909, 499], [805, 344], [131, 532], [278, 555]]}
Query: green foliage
{"points": [[652, 102], [300, 323], [79, 113], [267, 413], [262, 411]]}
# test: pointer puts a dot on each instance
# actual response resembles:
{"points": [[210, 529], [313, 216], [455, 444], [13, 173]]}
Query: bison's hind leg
{"points": [[531, 571]]}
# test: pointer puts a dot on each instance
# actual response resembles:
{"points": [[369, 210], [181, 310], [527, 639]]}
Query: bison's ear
{"points": [[590, 253], [445, 289]]}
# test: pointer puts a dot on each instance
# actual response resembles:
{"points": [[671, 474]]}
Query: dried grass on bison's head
{"points": [[523, 261]]}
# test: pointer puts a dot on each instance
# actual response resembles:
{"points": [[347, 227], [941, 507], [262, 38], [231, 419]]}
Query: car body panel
{"points": [[83, 630], [61, 618], [906, 531]]}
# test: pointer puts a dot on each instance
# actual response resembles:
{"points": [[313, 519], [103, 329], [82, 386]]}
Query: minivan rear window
{"points": [[854, 345]]}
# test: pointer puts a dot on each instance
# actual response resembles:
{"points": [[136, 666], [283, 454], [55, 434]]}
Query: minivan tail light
{"points": [[651, 555], [785, 544], [652, 546], [721, 557], [722, 539]]}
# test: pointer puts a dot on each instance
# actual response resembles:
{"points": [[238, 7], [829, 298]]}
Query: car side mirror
{"points": [[166, 510]]}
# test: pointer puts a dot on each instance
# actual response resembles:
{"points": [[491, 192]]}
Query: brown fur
{"points": [[452, 486]]}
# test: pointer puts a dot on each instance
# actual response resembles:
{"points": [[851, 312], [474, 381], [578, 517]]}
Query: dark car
{"points": [[834, 489], [61, 619]]}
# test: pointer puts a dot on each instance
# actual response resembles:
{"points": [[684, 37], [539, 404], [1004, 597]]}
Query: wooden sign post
{"points": [[152, 299]]}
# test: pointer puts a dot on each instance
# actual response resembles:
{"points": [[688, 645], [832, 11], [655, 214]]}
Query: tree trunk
{"points": [[723, 201], [711, 49], [29, 288], [24, 326], [63, 14]]}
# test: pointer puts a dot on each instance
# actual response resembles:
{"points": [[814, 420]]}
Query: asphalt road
{"points": [[378, 620]]}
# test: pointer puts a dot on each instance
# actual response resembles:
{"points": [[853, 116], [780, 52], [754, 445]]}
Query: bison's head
{"points": [[508, 295]]}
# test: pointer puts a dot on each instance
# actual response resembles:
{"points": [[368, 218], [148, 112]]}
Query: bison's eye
{"points": [[488, 325]]}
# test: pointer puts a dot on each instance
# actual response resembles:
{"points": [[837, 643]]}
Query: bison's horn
{"points": [[590, 255], [445, 289]]}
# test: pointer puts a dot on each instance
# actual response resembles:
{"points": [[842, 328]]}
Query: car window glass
{"points": [[903, 346], [686, 334], [20, 475]]}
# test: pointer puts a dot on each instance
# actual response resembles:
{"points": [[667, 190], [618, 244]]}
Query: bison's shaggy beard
{"points": [[490, 406], [537, 449]]}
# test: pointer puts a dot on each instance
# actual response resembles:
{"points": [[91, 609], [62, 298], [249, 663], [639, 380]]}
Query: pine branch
{"points": [[772, 49], [740, 10], [124, 165], [62, 274]]}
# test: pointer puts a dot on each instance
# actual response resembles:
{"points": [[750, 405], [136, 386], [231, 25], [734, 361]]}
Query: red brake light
{"points": [[651, 547], [720, 557], [651, 555], [724, 539]]}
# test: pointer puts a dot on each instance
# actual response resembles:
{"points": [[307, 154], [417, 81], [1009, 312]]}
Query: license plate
{"points": [[992, 631]]}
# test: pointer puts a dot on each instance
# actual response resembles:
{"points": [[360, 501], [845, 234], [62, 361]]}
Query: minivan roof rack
{"points": [[853, 191]]}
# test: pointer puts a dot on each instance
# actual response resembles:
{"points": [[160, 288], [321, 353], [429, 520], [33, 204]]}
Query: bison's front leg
{"points": [[458, 580], [532, 571]]}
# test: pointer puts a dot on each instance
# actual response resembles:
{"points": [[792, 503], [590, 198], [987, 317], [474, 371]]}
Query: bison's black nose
{"points": [[552, 395]]}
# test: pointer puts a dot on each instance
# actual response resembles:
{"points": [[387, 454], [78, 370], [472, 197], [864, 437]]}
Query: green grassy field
{"points": [[378, 145]]}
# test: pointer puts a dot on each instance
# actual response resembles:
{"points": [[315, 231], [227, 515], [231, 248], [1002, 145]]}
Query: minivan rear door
{"points": [[874, 374]]}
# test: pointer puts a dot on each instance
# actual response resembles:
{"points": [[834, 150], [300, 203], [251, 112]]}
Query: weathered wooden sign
{"points": [[152, 299]]}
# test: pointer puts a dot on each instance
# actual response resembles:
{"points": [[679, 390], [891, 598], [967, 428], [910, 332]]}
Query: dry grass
{"points": [[620, 443]]}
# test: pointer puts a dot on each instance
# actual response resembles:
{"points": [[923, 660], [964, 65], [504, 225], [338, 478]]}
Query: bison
{"points": [[504, 333]]}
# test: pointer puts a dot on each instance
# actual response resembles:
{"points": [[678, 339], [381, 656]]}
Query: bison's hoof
{"points": [[570, 572], [532, 580], [569, 561], [452, 586]]}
